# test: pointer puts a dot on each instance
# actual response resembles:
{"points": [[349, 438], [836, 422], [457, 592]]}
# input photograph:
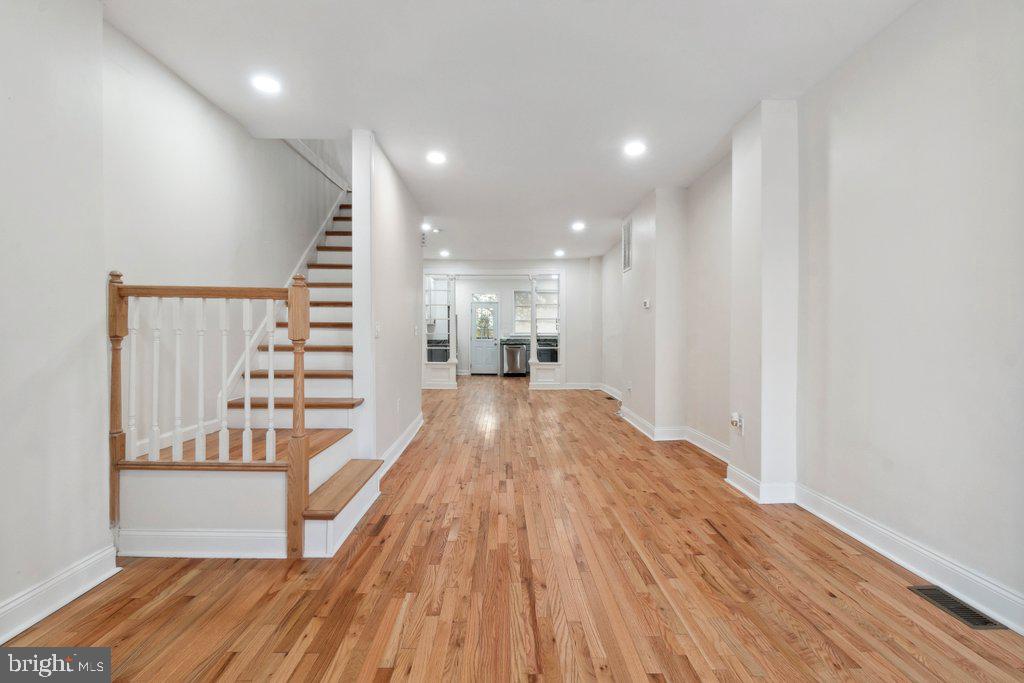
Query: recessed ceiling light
{"points": [[559, 253], [445, 253], [579, 226], [266, 84], [425, 227], [436, 157], [436, 230], [634, 148]]}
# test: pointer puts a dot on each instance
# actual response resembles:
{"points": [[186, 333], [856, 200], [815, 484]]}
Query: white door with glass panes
{"points": [[484, 338]]}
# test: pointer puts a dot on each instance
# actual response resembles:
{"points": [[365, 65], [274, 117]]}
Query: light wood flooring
{"points": [[537, 535]]}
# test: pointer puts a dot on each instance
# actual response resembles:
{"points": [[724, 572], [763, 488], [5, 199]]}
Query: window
{"points": [[521, 324], [485, 297], [437, 303], [548, 315], [627, 245]]}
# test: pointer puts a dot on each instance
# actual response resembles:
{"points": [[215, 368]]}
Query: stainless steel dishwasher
{"points": [[515, 357]]}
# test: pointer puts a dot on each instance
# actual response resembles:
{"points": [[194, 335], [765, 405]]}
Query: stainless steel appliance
{"points": [[514, 357]]}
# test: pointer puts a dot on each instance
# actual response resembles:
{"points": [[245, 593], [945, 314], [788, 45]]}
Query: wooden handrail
{"points": [[188, 292]]}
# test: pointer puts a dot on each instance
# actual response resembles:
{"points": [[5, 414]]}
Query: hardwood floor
{"points": [[537, 535]]}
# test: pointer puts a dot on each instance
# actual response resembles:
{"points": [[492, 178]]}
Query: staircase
{"points": [[291, 419]]}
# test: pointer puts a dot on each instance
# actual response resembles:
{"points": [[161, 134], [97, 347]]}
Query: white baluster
{"points": [[222, 438], [271, 434], [176, 450], [200, 370], [247, 400], [133, 370], [154, 430]]}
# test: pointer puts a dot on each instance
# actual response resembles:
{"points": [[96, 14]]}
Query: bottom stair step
{"points": [[333, 495]]}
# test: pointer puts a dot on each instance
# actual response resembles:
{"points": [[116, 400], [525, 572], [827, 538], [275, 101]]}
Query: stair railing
{"points": [[125, 304]]}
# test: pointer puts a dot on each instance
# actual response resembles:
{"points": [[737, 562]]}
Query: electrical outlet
{"points": [[736, 420]]}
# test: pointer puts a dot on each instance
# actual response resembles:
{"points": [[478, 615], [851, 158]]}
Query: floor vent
{"points": [[956, 607]]}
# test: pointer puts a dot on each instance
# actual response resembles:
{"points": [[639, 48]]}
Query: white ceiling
{"points": [[531, 100]]}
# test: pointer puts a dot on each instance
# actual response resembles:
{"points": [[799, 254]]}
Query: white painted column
{"points": [[533, 324], [765, 297]]}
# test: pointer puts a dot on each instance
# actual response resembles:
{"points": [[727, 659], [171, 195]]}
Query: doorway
{"points": [[484, 338]]}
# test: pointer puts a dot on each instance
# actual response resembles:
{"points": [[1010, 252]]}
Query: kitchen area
{"points": [[484, 325]]}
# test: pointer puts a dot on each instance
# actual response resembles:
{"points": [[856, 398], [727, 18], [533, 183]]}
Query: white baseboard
{"points": [[697, 438], [564, 386], [396, 449], [24, 609], [610, 390], [642, 425], [439, 385], [764, 493], [998, 601], [269, 543], [708, 444], [743, 482]]}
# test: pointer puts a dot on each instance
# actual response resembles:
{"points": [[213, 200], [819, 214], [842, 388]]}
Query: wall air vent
{"points": [[956, 607]]}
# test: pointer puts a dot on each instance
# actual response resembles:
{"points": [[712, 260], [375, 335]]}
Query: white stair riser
{"points": [[319, 360], [330, 460], [329, 275], [330, 294], [317, 335], [315, 419], [333, 257], [330, 314], [314, 387], [338, 241]]}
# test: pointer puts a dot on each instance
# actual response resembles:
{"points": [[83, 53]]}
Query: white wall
{"points": [[191, 198], [912, 307], [53, 491], [397, 302], [638, 330], [580, 355], [611, 319], [670, 384], [706, 266]]}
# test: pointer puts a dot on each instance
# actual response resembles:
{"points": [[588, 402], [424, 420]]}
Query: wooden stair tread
{"points": [[310, 348], [330, 285], [325, 266], [325, 248], [343, 219], [310, 374], [322, 325], [338, 233], [331, 497], [311, 403], [319, 441], [344, 206], [328, 304]]}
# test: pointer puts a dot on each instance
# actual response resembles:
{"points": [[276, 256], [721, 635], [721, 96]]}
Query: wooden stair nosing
{"points": [[310, 374], [341, 249], [331, 497], [344, 206], [343, 219], [328, 304], [338, 233], [321, 325], [284, 403], [319, 441], [310, 348]]}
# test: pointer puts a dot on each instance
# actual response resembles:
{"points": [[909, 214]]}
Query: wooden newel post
{"points": [[117, 328], [298, 456]]}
